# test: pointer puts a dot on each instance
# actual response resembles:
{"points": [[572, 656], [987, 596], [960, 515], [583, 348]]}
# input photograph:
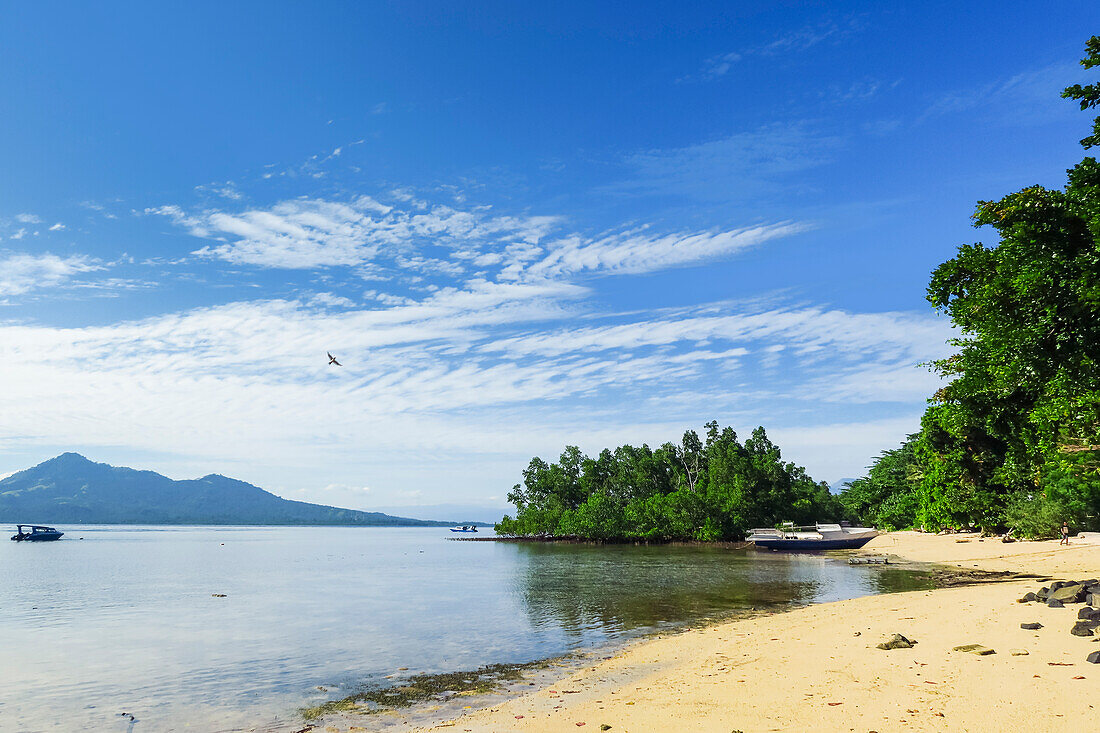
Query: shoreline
{"points": [[554, 540], [817, 667]]}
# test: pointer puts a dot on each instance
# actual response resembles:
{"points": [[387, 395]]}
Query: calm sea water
{"points": [[124, 621]]}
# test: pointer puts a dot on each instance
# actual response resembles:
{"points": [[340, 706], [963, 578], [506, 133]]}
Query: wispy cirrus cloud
{"points": [[247, 379], [1027, 97], [413, 237], [635, 252], [792, 42], [314, 233], [741, 166]]}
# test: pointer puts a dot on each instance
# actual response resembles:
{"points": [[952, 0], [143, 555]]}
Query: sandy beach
{"points": [[818, 668]]}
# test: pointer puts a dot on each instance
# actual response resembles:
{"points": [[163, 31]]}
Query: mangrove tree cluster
{"points": [[1013, 438], [713, 490]]}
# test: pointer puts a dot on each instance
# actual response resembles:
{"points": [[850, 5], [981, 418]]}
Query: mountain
{"points": [[70, 489], [840, 484]]}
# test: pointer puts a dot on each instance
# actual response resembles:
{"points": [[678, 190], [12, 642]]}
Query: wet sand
{"points": [[818, 668]]}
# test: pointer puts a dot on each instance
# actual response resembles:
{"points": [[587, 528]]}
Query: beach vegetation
{"points": [[1012, 441]]}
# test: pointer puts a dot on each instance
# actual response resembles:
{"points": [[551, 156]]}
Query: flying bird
{"points": [[332, 360]]}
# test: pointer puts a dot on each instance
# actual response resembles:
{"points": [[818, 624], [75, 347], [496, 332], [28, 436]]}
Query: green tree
{"points": [[1088, 96], [1021, 412], [889, 496]]}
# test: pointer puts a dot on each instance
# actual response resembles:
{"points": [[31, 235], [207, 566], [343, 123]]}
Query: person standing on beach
{"points": [[1065, 534]]}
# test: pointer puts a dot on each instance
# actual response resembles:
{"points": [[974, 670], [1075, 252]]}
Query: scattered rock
{"points": [[1033, 626], [1068, 593], [1094, 657], [1018, 652], [1083, 628], [1089, 613], [1028, 598], [218, 595], [1042, 594], [1055, 603], [978, 649], [605, 726], [897, 642]]}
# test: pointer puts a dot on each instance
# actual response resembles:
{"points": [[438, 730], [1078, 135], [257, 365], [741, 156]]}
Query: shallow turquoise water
{"points": [[123, 620]]}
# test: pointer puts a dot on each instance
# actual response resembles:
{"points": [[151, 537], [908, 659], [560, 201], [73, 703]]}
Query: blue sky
{"points": [[517, 225]]}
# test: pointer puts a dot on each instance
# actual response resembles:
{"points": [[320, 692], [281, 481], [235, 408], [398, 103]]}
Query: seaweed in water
{"points": [[423, 687]]}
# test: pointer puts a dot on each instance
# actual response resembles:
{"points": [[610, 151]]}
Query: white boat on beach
{"points": [[816, 537]]}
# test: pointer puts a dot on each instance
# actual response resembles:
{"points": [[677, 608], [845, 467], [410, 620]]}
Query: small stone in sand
{"points": [[1094, 657], [974, 649], [1018, 652], [1034, 626], [897, 642]]}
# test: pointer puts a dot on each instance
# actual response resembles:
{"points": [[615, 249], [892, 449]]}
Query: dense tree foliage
{"points": [[1014, 437], [691, 491], [889, 496]]}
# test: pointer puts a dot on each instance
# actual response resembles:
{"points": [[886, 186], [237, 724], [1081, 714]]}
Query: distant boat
{"points": [[37, 533], [817, 537], [464, 528]]}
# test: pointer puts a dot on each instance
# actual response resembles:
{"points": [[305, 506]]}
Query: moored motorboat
{"points": [[817, 537], [465, 528], [37, 533]]}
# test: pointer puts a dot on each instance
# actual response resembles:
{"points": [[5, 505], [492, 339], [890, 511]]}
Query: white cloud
{"points": [[482, 338], [21, 273], [638, 252], [418, 239], [314, 233], [331, 300], [28, 219], [58, 227], [472, 370]]}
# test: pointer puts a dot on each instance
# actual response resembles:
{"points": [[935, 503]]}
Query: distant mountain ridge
{"points": [[71, 489], [840, 484]]}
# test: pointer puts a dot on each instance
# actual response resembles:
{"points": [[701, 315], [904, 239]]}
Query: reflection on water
{"points": [[125, 620], [613, 589]]}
